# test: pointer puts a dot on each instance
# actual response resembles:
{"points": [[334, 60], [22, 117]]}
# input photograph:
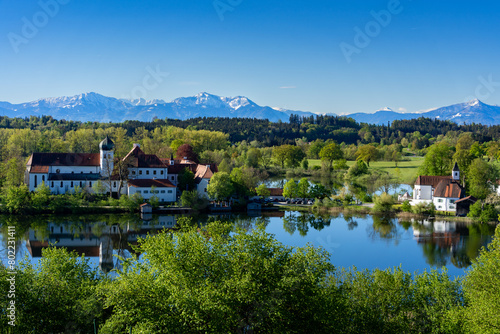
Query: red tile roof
{"points": [[137, 158], [278, 192], [465, 199], [148, 183], [64, 159], [430, 180], [449, 189], [39, 169]]}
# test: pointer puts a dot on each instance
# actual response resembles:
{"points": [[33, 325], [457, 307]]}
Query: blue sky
{"points": [[408, 55]]}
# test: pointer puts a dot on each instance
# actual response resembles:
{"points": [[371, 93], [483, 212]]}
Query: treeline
{"points": [[211, 279], [337, 128]]}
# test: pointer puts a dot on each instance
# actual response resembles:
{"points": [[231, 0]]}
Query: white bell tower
{"points": [[455, 174], [106, 154]]}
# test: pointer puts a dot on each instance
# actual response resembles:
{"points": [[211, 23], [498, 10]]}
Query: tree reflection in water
{"points": [[385, 227], [443, 241], [302, 221]]}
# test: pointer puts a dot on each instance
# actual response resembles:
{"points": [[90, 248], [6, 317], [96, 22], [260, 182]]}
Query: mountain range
{"points": [[95, 107]]}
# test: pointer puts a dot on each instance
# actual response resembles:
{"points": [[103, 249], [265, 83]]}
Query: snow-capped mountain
{"points": [[473, 111], [96, 107]]}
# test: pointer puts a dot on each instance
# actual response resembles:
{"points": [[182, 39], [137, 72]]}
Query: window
{"points": [[133, 172], [71, 184], [35, 180], [170, 191], [140, 172], [43, 178], [58, 171], [452, 201], [90, 184], [80, 184], [440, 200], [52, 184], [154, 172], [145, 191], [161, 172], [163, 191], [61, 183], [72, 172], [114, 184], [138, 191], [147, 172]]}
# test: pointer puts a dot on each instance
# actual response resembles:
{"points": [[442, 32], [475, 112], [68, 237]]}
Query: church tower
{"points": [[455, 174], [106, 148]]}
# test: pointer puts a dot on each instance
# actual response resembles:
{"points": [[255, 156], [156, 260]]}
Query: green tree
{"points": [[186, 180], [63, 283], [218, 282], [383, 203], [303, 188], [41, 197], [478, 175], [481, 287], [437, 160], [330, 153], [290, 190], [262, 190], [16, 199], [220, 186], [367, 153], [193, 200]]}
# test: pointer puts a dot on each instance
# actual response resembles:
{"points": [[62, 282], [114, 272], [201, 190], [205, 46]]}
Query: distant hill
{"points": [[96, 107]]}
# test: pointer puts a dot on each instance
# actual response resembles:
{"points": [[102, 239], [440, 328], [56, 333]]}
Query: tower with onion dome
{"points": [[106, 148]]}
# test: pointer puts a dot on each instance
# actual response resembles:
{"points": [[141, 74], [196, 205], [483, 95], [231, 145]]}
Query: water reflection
{"points": [[444, 241], [102, 237]]}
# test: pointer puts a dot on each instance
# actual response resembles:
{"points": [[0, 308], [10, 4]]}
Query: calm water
{"points": [[363, 241]]}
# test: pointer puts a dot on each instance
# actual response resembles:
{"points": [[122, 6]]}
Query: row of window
{"points": [[154, 191], [147, 172], [72, 184]]}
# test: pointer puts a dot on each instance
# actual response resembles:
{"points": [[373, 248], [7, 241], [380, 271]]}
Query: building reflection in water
{"points": [[445, 241], [98, 239]]}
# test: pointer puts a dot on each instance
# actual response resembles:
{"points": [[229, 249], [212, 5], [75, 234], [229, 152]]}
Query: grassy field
{"points": [[406, 171]]}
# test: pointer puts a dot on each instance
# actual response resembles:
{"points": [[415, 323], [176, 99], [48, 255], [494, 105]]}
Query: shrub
{"points": [[406, 206]]}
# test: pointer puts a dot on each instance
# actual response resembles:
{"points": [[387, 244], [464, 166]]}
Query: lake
{"points": [[365, 241]]}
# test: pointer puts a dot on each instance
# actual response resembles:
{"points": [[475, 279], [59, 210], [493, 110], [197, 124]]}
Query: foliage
{"points": [[63, 283], [383, 203], [390, 301], [303, 188], [481, 287], [437, 160], [484, 212], [186, 180], [220, 283], [220, 186], [290, 189], [406, 206], [367, 153], [262, 190], [16, 199], [478, 175], [330, 153], [193, 200], [185, 151]]}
